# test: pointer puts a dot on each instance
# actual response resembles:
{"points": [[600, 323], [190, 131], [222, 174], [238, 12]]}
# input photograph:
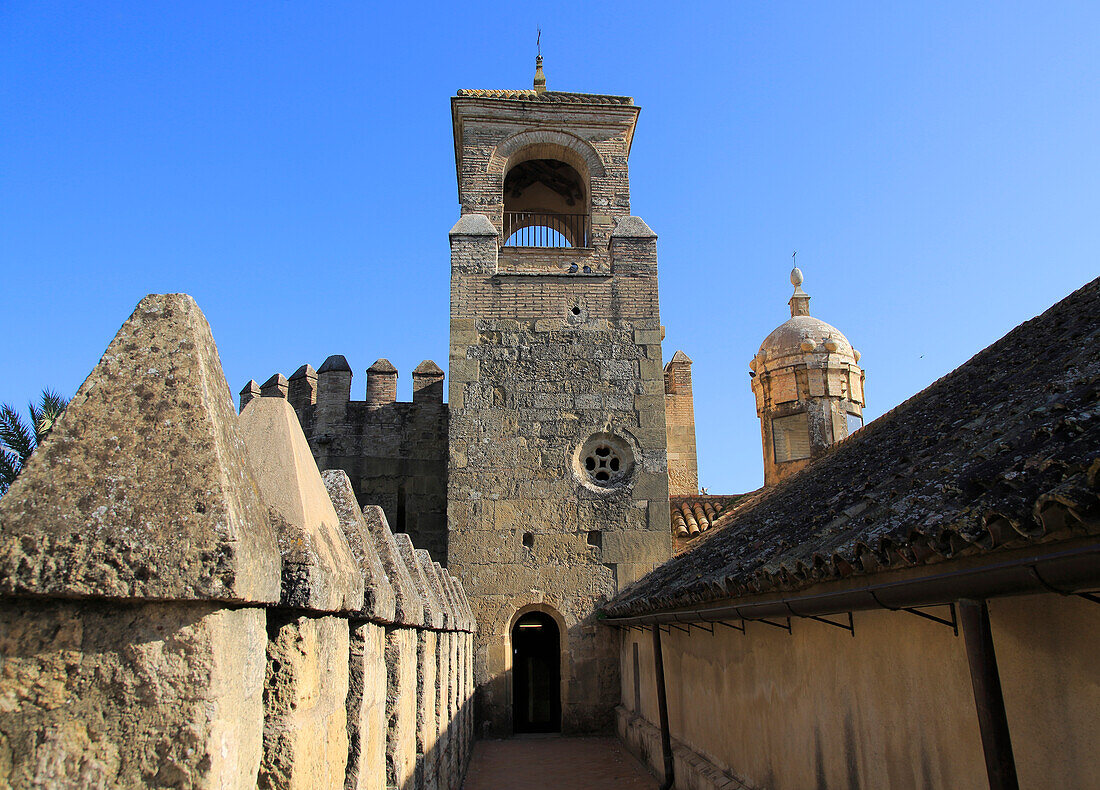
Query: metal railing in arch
{"points": [[534, 229]]}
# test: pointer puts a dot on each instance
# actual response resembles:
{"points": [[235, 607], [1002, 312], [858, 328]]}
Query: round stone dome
{"points": [[802, 334]]}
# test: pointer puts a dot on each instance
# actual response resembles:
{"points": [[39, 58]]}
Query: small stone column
{"points": [[248, 392], [333, 391], [302, 387], [381, 383], [428, 383]]}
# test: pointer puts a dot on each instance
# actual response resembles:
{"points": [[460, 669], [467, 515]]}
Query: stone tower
{"points": [[557, 479], [683, 466], [808, 387]]}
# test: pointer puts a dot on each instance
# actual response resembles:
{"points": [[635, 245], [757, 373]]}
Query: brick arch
{"points": [[547, 144]]}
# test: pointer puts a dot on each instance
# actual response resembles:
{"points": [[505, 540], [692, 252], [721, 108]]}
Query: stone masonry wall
{"points": [[394, 452], [539, 368], [683, 465], [185, 602]]}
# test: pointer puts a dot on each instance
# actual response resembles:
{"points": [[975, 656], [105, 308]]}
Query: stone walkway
{"points": [[555, 763]]}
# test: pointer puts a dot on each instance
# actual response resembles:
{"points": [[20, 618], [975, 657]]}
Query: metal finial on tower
{"points": [[540, 78]]}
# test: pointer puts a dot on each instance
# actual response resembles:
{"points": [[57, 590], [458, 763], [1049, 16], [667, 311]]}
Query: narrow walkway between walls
{"points": [[550, 762]]}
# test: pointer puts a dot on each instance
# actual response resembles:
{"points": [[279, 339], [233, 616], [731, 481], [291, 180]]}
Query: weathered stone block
{"points": [[401, 707], [433, 609], [427, 707], [130, 695], [379, 602], [305, 696], [366, 706], [143, 488], [408, 608], [319, 571]]}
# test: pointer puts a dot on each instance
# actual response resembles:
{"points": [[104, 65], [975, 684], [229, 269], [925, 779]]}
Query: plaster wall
{"points": [[891, 707]]}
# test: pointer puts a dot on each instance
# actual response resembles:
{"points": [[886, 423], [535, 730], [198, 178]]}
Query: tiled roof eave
{"points": [[1063, 564]]}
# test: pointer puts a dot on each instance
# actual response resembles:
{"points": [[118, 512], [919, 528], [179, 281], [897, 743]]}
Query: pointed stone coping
{"points": [[462, 618], [306, 371], [143, 489], [473, 225], [428, 368], [465, 603], [462, 621], [319, 571], [335, 363], [631, 228], [409, 608], [379, 602], [680, 358], [432, 573], [433, 609], [382, 365]]}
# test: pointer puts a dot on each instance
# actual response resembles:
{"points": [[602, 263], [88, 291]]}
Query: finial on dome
{"points": [[800, 301], [540, 78]]}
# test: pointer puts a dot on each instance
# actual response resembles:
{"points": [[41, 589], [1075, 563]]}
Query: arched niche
{"points": [[546, 179]]}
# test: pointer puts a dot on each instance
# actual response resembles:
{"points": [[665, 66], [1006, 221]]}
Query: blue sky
{"points": [[290, 165]]}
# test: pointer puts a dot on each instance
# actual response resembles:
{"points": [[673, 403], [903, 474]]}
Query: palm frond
{"points": [[15, 437], [44, 417], [9, 470]]}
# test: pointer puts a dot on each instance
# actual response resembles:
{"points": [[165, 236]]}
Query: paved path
{"points": [[555, 763]]}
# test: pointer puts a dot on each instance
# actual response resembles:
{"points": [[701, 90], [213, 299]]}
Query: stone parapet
{"points": [[185, 602], [139, 530]]}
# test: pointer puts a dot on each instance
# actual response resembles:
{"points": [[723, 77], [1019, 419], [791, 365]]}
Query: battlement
{"points": [[394, 452], [330, 385]]}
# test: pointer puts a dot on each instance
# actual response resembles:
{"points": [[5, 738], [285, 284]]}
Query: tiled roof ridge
{"points": [[693, 514], [1002, 452], [546, 96]]}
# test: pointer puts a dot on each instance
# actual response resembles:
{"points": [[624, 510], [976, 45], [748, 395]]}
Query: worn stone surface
{"points": [[379, 601], [367, 708], [401, 707], [545, 370], [427, 724], [444, 774], [107, 694], [409, 609], [143, 488], [319, 570], [555, 353], [305, 702], [806, 371], [433, 608], [394, 452], [683, 465], [432, 575]]}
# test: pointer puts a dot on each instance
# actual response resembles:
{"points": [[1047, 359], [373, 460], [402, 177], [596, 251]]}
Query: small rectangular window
{"points": [[855, 422], [791, 437]]}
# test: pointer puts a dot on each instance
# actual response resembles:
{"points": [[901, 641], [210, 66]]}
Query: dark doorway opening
{"points": [[536, 674]]}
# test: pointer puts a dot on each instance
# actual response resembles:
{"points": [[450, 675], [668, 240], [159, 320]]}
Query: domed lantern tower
{"points": [[808, 387]]}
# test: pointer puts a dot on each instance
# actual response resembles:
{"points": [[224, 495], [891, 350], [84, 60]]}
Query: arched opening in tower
{"points": [[545, 205], [536, 674]]}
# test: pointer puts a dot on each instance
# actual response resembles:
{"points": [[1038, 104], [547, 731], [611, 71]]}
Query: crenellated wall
{"points": [[394, 452], [187, 602]]}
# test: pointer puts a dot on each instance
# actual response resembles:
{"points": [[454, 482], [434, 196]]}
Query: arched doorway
{"points": [[536, 674]]}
